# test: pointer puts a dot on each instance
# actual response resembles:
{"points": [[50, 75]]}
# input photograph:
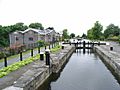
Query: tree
{"points": [[65, 34], [72, 35], [95, 32], [111, 30], [84, 36], [78, 36], [5, 30], [90, 34], [36, 26]]}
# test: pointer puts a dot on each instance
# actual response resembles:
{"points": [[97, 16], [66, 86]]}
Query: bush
{"points": [[41, 43], [1, 55], [113, 38]]}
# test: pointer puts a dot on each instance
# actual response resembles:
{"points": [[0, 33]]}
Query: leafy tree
{"points": [[90, 34], [84, 36], [111, 30], [97, 30], [36, 26], [65, 34], [72, 35], [5, 30], [78, 36]]}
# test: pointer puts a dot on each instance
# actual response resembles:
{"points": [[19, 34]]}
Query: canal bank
{"points": [[84, 71], [111, 59], [39, 72]]}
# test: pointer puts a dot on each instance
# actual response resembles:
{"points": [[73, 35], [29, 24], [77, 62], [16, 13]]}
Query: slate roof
{"points": [[41, 32]]}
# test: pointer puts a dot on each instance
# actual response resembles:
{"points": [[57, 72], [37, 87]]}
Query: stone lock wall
{"points": [[111, 58], [35, 77]]}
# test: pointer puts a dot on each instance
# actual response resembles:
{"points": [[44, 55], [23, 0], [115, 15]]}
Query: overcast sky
{"points": [[76, 15]]}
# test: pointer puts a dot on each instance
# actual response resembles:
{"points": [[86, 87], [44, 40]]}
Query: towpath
{"points": [[115, 45]]}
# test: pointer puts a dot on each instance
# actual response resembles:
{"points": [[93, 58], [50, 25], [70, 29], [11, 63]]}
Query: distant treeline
{"points": [[112, 32], [5, 30]]}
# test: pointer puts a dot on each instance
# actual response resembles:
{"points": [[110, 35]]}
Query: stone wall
{"points": [[35, 77], [59, 60], [111, 58]]}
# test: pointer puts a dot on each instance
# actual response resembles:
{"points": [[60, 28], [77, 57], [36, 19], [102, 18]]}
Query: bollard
{"points": [[31, 52], [62, 47], [38, 49], [111, 48], [45, 47], [98, 43], [5, 61], [83, 44], [41, 56], [47, 54], [21, 56]]}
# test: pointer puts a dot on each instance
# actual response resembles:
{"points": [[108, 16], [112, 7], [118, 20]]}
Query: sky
{"points": [[75, 15]]}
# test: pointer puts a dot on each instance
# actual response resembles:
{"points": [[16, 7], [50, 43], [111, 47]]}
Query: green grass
{"points": [[6, 70], [55, 49]]}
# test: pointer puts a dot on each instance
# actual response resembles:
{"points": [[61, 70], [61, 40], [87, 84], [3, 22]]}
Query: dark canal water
{"points": [[84, 71]]}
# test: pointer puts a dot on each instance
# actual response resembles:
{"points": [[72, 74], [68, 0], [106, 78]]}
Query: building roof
{"points": [[41, 32]]}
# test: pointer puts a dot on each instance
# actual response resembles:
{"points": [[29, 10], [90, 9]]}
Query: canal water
{"points": [[84, 71]]}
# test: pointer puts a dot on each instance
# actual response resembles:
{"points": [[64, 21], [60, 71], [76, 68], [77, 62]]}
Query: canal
{"points": [[84, 71]]}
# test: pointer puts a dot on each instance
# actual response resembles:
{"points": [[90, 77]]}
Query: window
{"points": [[16, 38], [30, 38]]}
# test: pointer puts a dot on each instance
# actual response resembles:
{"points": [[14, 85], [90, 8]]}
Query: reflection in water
{"points": [[84, 71]]}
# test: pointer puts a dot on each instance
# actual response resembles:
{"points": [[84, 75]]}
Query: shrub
{"points": [[41, 43]]}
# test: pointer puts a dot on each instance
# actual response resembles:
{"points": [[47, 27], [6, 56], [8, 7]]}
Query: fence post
{"points": [[31, 52], [52, 44], [5, 61], [38, 49], [45, 47], [21, 56]]}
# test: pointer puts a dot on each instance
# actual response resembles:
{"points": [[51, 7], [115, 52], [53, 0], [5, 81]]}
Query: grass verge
{"points": [[55, 49], [6, 70]]}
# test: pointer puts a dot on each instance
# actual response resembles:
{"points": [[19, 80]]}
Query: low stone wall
{"points": [[60, 59], [35, 77], [111, 58]]}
